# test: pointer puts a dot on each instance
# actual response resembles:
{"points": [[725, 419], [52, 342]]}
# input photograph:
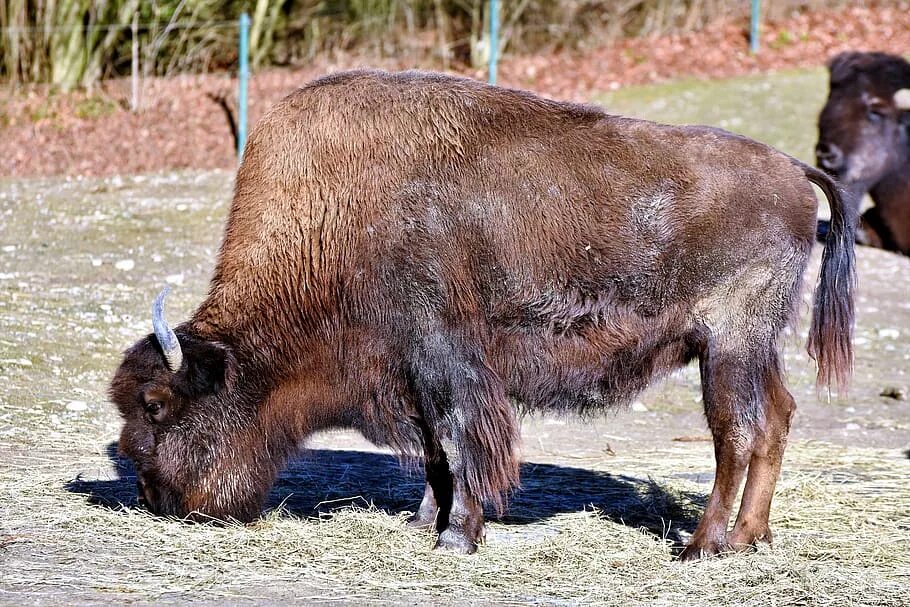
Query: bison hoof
{"points": [[455, 541], [422, 520], [744, 540], [707, 549]]}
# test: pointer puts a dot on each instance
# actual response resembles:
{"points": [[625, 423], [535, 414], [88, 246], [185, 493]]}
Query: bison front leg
{"points": [[472, 433], [465, 528], [449, 507], [436, 504], [448, 504], [427, 514], [874, 232]]}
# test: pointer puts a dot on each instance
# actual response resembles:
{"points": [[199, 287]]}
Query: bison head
{"points": [[184, 428], [863, 128]]}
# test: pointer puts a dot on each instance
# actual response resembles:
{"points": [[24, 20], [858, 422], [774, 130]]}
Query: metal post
{"points": [[494, 39], [244, 82], [753, 30], [134, 63]]}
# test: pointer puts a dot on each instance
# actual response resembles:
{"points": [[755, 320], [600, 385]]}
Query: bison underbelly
{"points": [[580, 373]]}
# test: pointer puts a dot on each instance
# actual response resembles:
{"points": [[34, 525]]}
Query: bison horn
{"points": [[902, 99], [166, 336]]}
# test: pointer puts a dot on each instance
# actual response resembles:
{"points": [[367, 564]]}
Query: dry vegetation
{"points": [[841, 523], [78, 42], [181, 125]]}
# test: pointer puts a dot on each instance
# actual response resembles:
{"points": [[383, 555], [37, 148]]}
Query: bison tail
{"points": [[831, 331]]}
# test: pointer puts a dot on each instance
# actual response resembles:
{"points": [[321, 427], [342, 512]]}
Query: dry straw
{"points": [[841, 523]]}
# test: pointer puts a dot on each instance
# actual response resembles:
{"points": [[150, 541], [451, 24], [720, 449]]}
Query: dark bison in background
{"points": [[864, 141], [406, 254]]}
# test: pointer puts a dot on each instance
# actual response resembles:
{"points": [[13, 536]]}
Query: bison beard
{"points": [[409, 254]]}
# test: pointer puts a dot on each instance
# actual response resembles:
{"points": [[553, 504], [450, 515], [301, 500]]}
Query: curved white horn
{"points": [[902, 99], [166, 336]]}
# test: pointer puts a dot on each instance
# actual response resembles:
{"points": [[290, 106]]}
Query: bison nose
{"points": [[830, 157], [146, 496]]}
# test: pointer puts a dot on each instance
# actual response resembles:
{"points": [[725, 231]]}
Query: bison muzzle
{"points": [[408, 254]]}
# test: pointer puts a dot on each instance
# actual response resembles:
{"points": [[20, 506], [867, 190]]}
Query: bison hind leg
{"points": [[748, 411], [764, 465]]}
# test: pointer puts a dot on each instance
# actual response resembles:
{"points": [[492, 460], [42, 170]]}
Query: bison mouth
{"points": [[830, 158], [157, 497], [160, 499]]}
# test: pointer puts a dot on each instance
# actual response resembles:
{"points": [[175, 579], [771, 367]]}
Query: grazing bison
{"points": [[864, 141], [406, 254]]}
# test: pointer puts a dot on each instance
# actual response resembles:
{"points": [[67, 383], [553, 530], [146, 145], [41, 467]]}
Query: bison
{"points": [[410, 254], [864, 141]]}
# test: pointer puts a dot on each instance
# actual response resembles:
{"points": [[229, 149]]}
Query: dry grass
{"points": [[841, 522]]}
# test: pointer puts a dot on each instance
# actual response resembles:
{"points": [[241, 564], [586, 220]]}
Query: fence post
{"points": [[244, 56], [494, 39], [753, 30], [134, 63]]}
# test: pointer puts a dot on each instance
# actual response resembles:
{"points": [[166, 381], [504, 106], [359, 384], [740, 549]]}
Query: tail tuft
{"points": [[831, 331]]}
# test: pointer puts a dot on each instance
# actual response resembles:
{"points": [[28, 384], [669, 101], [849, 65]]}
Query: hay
{"points": [[840, 520]]}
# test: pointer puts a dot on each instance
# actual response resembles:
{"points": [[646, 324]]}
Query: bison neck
{"points": [[285, 246]]}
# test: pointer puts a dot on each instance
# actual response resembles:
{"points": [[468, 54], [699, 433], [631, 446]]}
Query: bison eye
{"points": [[874, 115], [155, 409]]}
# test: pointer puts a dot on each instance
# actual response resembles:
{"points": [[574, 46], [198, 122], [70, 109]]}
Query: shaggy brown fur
{"points": [[408, 254], [864, 141]]}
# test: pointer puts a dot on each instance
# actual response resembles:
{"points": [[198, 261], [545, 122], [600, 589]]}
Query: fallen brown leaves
{"points": [[182, 126]]}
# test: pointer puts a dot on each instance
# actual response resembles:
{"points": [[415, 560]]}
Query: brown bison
{"points": [[407, 254], [864, 141]]}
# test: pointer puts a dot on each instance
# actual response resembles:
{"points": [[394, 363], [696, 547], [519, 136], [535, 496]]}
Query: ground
{"points": [[605, 502], [604, 505]]}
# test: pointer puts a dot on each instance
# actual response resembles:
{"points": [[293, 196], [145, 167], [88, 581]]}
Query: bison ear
{"points": [[210, 368]]}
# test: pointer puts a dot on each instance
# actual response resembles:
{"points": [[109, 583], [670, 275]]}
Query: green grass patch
{"points": [[94, 107], [780, 110]]}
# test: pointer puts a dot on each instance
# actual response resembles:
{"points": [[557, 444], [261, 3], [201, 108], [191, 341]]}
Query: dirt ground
{"points": [[80, 260]]}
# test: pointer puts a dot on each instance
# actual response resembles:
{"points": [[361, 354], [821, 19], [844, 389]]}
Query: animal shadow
{"points": [[323, 480]]}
